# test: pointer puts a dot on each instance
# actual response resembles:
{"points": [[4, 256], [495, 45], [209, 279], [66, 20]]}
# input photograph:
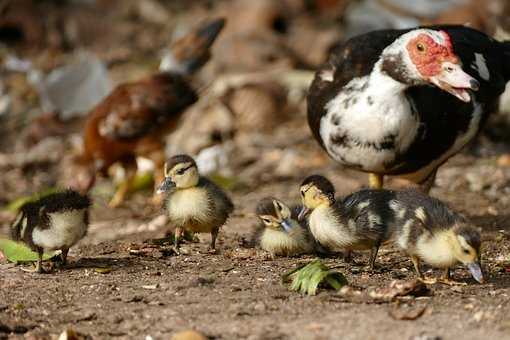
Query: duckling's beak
{"points": [[286, 225], [303, 213], [476, 271], [166, 185]]}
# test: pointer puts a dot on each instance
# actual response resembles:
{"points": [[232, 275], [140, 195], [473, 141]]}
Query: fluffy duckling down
{"points": [[279, 233], [423, 227], [193, 202], [55, 222], [429, 231], [345, 225]]}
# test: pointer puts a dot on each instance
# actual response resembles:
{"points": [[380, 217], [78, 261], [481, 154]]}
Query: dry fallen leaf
{"points": [[399, 288], [408, 314]]}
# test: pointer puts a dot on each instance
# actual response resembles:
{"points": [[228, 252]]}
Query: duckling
{"points": [[422, 226], [193, 202], [428, 230], [280, 233], [54, 222], [341, 225]]}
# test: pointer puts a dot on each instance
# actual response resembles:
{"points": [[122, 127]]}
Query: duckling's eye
{"points": [[266, 220], [303, 193], [180, 171], [465, 251], [420, 47]]}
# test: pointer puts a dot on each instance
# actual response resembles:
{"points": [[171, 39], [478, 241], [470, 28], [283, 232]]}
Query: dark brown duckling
{"points": [[54, 222]]}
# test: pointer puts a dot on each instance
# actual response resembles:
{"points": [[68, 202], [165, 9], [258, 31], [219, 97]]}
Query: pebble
{"points": [[188, 335]]}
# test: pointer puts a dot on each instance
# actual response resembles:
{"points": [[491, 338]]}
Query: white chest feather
{"points": [[369, 122], [330, 232], [281, 243], [436, 250], [190, 208], [66, 228]]}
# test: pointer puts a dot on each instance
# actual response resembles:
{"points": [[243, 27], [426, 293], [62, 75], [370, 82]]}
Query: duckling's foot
{"points": [[176, 250], [37, 269]]}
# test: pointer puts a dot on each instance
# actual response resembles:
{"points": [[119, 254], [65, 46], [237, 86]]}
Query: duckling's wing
{"points": [[431, 212], [370, 211], [25, 222], [255, 235], [217, 197]]}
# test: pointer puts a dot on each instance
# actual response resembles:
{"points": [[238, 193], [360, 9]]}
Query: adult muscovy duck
{"points": [[401, 102]]}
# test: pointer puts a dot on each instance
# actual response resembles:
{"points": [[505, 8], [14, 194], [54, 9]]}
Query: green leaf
{"points": [[18, 252], [227, 183], [307, 278], [142, 181]]}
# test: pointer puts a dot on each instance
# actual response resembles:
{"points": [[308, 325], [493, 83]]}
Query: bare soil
{"points": [[109, 292], [118, 286]]}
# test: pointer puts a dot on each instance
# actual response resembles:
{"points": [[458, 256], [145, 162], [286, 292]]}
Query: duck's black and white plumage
{"points": [[280, 233], [401, 102], [55, 222]]}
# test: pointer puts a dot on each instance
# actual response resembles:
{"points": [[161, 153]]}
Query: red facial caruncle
{"points": [[427, 55], [438, 65]]}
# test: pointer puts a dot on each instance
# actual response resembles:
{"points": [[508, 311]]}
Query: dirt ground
{"points": [[119, 285], [109, 292]]}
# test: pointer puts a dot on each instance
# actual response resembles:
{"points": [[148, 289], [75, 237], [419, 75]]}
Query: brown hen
{"points": [[134, 118]]}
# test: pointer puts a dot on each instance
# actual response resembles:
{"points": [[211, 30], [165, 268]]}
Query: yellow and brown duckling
{"points": [[422, 226], [54, 222], [341, 225], [429, 231], [193, 202], [280, 233]]}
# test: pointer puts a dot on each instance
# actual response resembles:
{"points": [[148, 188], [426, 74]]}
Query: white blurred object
{"points": [[73, 89], [369, 15], [425, 8], [504, 100], [212, 159], [5, 100], [15, 64]]}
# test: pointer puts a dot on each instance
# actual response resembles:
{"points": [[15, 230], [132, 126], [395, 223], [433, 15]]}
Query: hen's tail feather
{"points": [[193, 50], [506, 63]]}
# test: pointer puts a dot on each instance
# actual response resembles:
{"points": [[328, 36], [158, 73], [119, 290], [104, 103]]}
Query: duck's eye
{"points": [[420, 47], [180, 171]]}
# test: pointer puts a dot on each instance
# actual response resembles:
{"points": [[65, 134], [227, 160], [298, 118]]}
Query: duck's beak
{"points": [[286, 225], [476, 271], [166, 185], [455, 81], [303, 213]]}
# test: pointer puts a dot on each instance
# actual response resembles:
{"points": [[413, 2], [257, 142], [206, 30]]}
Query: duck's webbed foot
{"points": [[38, 267], [375, 181]]}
